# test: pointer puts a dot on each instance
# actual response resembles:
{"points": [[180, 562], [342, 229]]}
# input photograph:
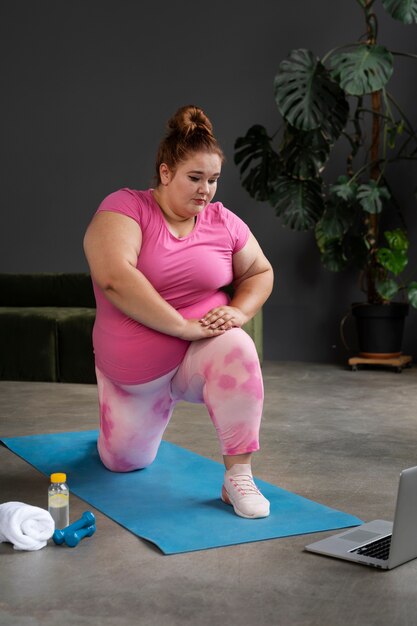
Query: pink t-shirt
{"points": [[188, 272]]}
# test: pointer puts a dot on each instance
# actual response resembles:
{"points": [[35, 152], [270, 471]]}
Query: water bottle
{"points": [[58, 500]]}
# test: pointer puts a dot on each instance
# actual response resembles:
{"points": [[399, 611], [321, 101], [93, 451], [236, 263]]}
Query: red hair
{"points": [[189, 131]]}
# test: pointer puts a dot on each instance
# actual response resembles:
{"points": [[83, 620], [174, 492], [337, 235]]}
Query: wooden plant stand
{"points": [[398, 363]]}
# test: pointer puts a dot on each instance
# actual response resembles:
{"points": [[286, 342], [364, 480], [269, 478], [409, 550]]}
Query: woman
{"points": [[165, 330]]}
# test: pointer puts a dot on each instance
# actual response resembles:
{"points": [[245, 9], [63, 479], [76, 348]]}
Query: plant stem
{"points": [[381, 160], [356, 140], [333, 50], [410, 55], [372, 221], [385, 117], [401, 112], [412, 132]]}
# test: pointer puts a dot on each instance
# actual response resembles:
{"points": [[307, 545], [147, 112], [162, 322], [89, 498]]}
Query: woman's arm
{"points": [[253, 282], [112, 245]]}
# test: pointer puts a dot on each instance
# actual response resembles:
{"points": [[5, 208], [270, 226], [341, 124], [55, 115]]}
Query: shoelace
{"points": [[244, 484]]}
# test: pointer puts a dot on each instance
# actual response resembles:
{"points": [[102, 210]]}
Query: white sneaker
{"points": [[240, 491]]}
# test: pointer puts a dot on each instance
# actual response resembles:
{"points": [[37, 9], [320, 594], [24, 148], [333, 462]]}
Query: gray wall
{"points": [[87, 88]]}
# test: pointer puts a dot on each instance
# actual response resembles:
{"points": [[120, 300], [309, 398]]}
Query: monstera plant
{"points": [[342, 96]]}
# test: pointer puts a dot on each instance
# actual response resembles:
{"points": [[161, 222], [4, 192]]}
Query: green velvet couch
{"points": [[46, 323]]}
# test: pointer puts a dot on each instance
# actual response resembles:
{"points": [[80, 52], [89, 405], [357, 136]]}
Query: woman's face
{"points": [[190, 188]]}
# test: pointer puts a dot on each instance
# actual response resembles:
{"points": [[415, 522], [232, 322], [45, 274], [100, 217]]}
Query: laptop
{"points": [[379, 543]]}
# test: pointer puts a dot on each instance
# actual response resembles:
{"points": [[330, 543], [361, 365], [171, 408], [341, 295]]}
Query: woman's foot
{"points": [[240, 491]]}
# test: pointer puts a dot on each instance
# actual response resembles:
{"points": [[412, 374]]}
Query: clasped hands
{"points": [[223, 318], [215, 322]]}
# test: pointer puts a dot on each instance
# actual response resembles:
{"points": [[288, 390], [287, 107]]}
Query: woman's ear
{"points": [[165, 173]]}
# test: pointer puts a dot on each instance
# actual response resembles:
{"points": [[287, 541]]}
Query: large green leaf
{"points": [[357, 250], [333, 257], [345, 188], [362, 70], [397, 239], [339, 252], [395, 257], [333, 234], [412, 293], [299, 203], [255, 150], [337, 218], [394, 261], [370, 197], [403, 10], [307, 97], [304, 153], [387, 289]]}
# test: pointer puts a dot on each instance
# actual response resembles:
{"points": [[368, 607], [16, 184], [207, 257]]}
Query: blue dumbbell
{"points": [[73, 538], [86, 519]]}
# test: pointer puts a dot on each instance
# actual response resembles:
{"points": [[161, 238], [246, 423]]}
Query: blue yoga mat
{"points": [[175, 503]]}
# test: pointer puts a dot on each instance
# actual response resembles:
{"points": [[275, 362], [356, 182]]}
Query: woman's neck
{"points": [[170, 216], [177, 225]]}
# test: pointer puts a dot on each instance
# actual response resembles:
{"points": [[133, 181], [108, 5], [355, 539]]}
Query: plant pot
{"points": [[380, 328]]}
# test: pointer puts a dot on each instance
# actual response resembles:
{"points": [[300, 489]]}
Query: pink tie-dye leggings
{"points": [[222, 372]]}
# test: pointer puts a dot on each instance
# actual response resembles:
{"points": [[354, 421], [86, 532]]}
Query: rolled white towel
{"points": [[27, 527]]}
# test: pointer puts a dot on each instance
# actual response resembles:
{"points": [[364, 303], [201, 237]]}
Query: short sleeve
{"points": [[239, 231], [123, 201]]}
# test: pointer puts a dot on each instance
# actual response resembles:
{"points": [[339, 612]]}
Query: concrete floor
{"points": [[329, 434]]}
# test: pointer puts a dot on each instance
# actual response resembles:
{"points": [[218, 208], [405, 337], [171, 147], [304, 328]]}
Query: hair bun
{"points": [[190, 119], [189, 131]]}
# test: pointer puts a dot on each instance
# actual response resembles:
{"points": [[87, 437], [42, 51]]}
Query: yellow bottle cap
{"points": [[58, 477]]}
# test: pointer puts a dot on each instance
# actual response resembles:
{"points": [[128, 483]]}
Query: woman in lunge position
{"points": [[165, 330]]}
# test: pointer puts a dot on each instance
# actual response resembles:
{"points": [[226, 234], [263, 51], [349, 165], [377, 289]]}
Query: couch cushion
{"points": [[27, 345], [75, 345], [47, 344]]}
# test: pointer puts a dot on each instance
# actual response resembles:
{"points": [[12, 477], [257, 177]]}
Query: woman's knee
{"points": [[232, 372], [124, 460], [132, 422], [236, 344], [237, 353]]}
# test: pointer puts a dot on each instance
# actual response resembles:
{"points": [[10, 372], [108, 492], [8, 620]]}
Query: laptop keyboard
{"points": [[378, 549]]}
